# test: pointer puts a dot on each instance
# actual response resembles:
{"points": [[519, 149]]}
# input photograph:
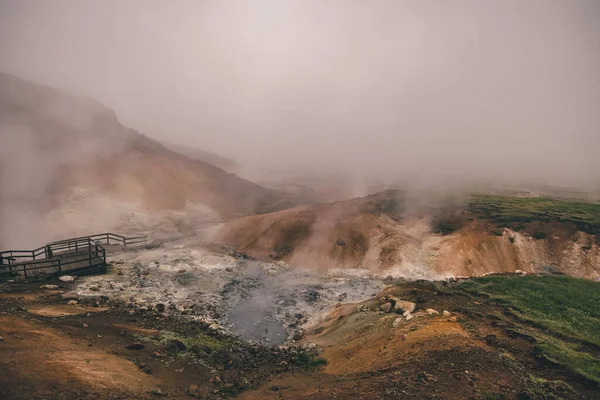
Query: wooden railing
{"points": [[78, 256]]}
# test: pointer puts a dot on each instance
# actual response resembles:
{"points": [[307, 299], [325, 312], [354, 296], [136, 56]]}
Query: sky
{"points": [[499, 88]]}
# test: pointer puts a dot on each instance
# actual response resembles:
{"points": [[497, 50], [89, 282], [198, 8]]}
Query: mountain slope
{"points": [[53, 143]]}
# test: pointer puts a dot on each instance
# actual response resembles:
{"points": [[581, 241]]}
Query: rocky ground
{"points": [[265, 302], [182, 319]]}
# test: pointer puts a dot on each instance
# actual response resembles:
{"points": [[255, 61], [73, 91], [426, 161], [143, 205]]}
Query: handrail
{"points": [[46, 252]]}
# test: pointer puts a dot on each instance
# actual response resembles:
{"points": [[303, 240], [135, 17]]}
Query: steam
{"points": [[426, 95]]}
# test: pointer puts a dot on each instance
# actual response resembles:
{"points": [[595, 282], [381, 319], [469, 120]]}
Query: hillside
{"points": [[55, 146], [209, 157], [382, 234]]}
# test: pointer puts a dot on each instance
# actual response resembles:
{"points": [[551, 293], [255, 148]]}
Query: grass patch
{"points": [[309, 360], [569, 307], [520, 210], [190, 342]]}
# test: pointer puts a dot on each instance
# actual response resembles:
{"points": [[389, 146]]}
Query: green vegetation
{"points": [[199, 340], [520, 210], [446, 227], [309, 360], [565, 310]]}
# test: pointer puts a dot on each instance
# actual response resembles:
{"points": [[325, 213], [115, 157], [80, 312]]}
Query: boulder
{"points": [[446, 313], [72, 302], [403, 306], [409, 316], [66, 278], [397, 322], [431, 311], [386, 307], [175, 346], [383, 300]]}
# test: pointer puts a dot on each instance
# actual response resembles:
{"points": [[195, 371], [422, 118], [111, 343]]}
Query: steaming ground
{"points": [[265, 302]]}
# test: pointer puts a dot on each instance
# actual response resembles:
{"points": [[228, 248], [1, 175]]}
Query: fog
{"points": [[492, 90]]}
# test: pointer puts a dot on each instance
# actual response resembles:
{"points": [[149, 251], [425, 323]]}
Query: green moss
{"points": [[564, 312], [518, 211], [200, 339]]}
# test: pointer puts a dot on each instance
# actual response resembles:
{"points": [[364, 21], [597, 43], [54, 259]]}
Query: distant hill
{"points": [[52, 143]]}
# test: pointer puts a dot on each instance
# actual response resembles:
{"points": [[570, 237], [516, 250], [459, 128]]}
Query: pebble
{"points": [[66, 278], [49, 287], [446, 313]]}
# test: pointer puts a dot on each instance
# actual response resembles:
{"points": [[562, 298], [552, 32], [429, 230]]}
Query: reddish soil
{"points": [[54, 350]]}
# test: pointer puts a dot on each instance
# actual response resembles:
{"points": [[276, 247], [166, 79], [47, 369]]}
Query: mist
{"points": [[427, 92]]}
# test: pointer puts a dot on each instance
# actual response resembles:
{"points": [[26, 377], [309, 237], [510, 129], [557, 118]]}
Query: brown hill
{"points": [[379, 233], [53, 142]]}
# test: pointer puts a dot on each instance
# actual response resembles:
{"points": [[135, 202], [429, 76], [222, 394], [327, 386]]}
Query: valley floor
{"points": [[482, 348]]}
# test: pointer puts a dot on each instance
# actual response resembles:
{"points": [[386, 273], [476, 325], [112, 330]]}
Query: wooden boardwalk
{"points": [[78, 256]]}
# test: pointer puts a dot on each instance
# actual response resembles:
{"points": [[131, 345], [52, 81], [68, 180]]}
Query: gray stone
{"points": [[403, 306], [66, 278]]}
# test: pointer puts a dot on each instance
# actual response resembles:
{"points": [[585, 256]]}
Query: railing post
{"points": [[76, 247], [59, 266], [25, 271]]}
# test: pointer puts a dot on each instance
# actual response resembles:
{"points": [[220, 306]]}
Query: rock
{"points": [[340, 242], [431, 311], [70, 296], [342, 296], [193, 389], [85, 325], [397, 322], [229, 269], [491, 339], [160, 308], [404, 306], [72, 302], [1, 339], [312, 296], [518, 271], [135, 346], [386, 307], [409, 317], [446, 313], [175, 346], [383, 300], [49, 287], [66, 278], [361, 308]]}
